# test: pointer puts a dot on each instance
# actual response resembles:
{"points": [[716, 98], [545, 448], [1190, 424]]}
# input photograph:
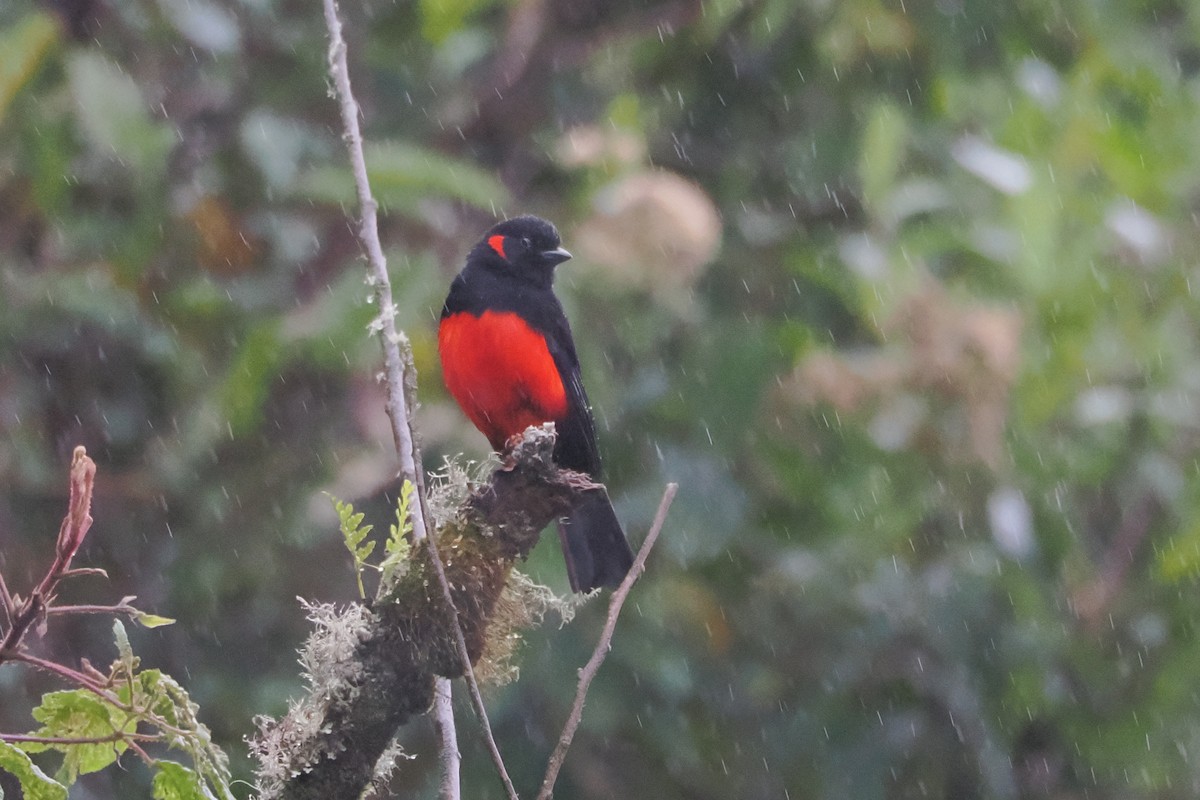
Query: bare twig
{"points": [[116, 736], [70, 676], [131, 740], [602, 647], [79, 572], [451, 757], [396, 364], [460, 642], [6, 602], [127, 610], [484, 723]]}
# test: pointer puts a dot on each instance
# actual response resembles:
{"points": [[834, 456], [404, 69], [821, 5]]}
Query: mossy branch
{"points": [[379, 661]]}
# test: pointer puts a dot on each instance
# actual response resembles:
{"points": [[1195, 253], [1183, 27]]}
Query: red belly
{"points": [[501, 373]]}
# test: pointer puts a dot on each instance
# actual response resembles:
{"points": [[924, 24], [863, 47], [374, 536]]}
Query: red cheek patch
{"points": [[497, 243]]}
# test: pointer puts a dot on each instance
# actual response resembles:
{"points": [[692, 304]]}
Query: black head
{"points": [[528, 247]]}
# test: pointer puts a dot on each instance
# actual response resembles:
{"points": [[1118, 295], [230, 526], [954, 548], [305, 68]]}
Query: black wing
{"points": [[576, 448]]}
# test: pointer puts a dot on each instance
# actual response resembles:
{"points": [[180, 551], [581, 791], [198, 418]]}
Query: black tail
{"points": [[594, 545]]}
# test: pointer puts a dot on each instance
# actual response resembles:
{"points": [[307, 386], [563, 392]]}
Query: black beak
{"points": [[555, 256]]}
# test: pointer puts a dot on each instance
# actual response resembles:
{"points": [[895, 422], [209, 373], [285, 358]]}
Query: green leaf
{"points": [[397, 546], [113, 114], [143, 691], [23, 48], [173, 781], [79, 714], [353, 533], [403, 519], [152, 620], [35, 784], [350, 523], [403, 175], [163, 698], [158, 694]]}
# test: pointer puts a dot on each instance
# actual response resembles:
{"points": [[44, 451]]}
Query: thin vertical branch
{"points": [[368, 233], [603, 645], [451, 757], [484, 723], [460, 642], [395, 348]]}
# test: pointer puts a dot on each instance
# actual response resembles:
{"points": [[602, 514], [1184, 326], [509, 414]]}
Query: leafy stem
{"points": [[355, 533], [396, 546]]}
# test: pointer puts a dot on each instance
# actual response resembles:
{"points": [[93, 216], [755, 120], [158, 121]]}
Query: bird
{"points": [[509, 361]]}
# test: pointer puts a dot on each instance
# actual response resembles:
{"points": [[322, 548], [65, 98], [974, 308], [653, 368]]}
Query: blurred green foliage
{"points": [[932, 403]]}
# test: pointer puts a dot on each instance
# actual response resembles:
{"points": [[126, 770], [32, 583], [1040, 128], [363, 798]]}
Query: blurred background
{"points": [[900, 292]]}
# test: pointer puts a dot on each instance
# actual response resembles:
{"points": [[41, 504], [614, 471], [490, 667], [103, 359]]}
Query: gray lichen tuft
{"points": [[329, 654], [290, 746], [449, 487], [384, 768], [522, 606]]}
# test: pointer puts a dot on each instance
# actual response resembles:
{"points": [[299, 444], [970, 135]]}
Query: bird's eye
{"points": [[526, 243]]}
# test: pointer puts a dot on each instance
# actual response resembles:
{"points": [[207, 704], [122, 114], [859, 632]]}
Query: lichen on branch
{"points": [[378, 660]]}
